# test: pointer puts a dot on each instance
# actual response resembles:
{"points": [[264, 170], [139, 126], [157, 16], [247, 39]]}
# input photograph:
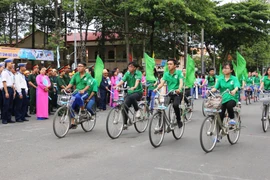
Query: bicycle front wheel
{"points": [[61, 122], [142, 122], [265, 118], [234, 131], [203, 107], [178, 132], [156, 129], [89, 122], [114, 123], [208, 134]]}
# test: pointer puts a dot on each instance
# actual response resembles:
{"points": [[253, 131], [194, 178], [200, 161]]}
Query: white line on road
{"points": [[257, 136], [198, 173]]}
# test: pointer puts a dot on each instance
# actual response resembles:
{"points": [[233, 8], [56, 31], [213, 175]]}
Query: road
{"points": [[31, 151]]}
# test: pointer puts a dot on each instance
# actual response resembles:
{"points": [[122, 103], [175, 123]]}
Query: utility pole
{"points": [[126, 34], [202, 50], [75, 32], [185, 49]]}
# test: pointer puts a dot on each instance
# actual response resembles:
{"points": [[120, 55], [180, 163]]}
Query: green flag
{"points": [[220, 69], [235, 69], [99, 66], [241, 64], [166, 68], [149, 67], [190, 72]]}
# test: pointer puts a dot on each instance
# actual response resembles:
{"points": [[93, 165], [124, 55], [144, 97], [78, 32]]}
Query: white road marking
{"points": [[198, 173]]}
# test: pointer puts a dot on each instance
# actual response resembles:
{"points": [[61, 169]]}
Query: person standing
{"points": [[61, 84], [8, 91], [26, 74], [103, 89], [33, 88], [114, 82], [43, 85], [51, 89], [2, 66], [21, 88]]}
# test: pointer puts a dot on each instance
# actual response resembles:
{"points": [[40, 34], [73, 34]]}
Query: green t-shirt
{"points": [[211, 80], [223, 85], [173, 80], [93, 87], [266, 82], [79, 82], [131, 80], [257, 80], [249, 81]]}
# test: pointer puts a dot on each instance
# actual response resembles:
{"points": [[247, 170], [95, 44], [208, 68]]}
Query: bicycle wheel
{"points": [[178, 132], [114, 123], [61, 122], [265, 118], [171, 113], [142, 122], [208, 134], [203, 107], [156, 129], [234, 132], [89, 122]]}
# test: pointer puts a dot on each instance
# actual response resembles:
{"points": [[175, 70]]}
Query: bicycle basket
{"points": [[63, 99], [213, 102]]}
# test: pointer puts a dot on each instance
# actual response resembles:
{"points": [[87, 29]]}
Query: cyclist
{"points": [[249, 84], [210, 80], [80, 81], [92, 91], [266, 81], [133, 79], [151, 85], [174, 79], [229, 100], [257, 81]]}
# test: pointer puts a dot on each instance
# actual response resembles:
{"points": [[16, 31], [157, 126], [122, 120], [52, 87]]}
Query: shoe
{"points": [[138, 114], [232, 122], [239, 103], [180, 124], [25, 120], [19, 121], [73, 126], [40, 118], [11, 121], [27, 115], [32, 112], [125, 127], [4, 122]]}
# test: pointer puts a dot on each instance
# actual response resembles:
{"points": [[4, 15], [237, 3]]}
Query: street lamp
{"points": [[75, 41]]}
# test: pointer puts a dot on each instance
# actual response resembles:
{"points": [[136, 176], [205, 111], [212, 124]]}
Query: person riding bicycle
{"points": [[249, 83], [229, 100], [210, 80], [92, 91], [80, 81], [133, 78], [265, 85], [257, 81], [174, 79], [151, 85]]}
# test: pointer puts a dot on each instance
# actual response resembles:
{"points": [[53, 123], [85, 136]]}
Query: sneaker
{"points": [[239, 103], [138, 114], [232, 122], [180, 124], [73, 126], [125, 127]]}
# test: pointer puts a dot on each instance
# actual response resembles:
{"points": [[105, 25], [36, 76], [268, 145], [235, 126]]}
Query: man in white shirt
{"points": [[21, 91], [8, 91], [2, 66]]}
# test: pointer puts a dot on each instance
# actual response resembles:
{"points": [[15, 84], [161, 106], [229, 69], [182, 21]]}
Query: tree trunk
{"points": [[152, 37]]}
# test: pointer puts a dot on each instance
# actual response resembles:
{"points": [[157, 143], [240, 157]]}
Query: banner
{"points": [[29, 54]]}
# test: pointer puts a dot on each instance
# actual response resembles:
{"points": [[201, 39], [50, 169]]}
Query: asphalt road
{"points": [[31, 151]]}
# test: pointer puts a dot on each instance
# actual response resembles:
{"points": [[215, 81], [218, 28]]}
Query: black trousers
{"points": [[20, 106], [229, 107], [131, 99], [7, 104], [176, 102]]}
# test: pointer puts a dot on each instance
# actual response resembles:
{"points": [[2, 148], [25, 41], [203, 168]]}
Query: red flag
{"points": [[130, 57]]}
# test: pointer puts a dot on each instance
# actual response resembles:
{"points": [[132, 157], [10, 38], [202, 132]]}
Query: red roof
{"points": [[91, 36]]}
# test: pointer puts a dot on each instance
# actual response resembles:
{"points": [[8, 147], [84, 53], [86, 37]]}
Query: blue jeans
{"points": [[151, 98], [90, 105], [79, 100]]}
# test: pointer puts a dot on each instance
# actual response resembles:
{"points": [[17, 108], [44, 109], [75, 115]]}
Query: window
{"points": [[111, 54]]}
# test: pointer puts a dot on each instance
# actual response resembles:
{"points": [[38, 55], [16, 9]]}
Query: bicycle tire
{"points": [[234, 134], [89, 124], [203, 107], [265, 120], [211, 131], [156, 129], [117, 116], [65, 121], [141, 124]]}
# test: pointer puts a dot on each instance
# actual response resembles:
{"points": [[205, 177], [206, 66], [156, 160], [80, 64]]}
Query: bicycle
{"points": [[204, 101], [265, 110], [115, 123], [185, 110], [160, 121], [63, 115], [213, 129], [256, 93], [248, 94]]}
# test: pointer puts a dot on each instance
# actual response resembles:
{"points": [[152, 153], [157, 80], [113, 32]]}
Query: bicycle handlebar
{"points": [[69, 93], [171, 91]]}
